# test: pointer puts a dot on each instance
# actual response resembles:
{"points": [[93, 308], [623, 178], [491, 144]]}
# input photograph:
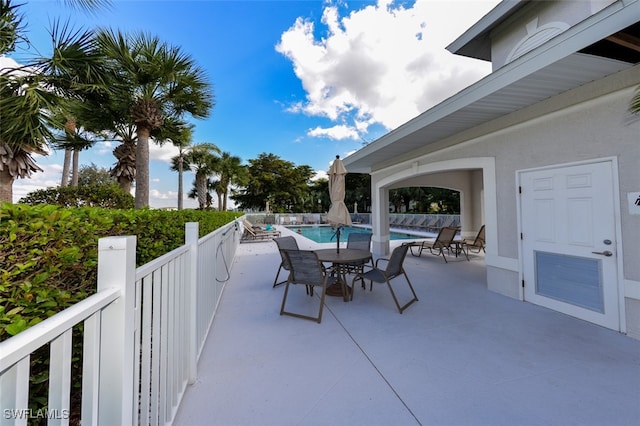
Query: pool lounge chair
{"points": [[478, 243], [443, 242], [256, 233]]}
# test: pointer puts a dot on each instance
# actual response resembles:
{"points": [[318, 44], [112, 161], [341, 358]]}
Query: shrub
{"points": [[49, 254], [48, 261], [92, 195]]}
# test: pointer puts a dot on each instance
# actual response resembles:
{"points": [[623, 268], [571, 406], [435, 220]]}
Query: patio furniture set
{"points": [[328, 268], [307, 267]]}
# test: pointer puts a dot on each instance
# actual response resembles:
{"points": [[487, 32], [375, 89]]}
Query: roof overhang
{"points": [[546, 71], [476, 41]]}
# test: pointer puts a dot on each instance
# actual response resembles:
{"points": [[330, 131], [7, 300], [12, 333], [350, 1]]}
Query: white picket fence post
{"points": [[117, 269], [191, 237]]}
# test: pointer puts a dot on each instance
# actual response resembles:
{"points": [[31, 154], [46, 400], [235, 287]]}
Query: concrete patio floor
{"points": [[462, 355]]}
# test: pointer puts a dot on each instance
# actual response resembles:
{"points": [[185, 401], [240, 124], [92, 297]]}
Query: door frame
{"points": [[613, 163]]}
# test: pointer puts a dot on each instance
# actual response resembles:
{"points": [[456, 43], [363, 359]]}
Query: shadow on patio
{"points": [[462, 355]]}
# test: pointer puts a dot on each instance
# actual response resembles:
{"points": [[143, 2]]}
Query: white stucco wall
{"points": [[584, 124]]}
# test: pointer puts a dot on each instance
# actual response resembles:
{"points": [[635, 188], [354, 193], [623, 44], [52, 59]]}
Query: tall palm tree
{"points": [[30, 94], [162, 82], [182, 141], [201, 159], [231, 172], [216, 186]]}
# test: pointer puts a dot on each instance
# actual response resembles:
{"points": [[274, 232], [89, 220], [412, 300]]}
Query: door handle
{"points": [[604, 253]]}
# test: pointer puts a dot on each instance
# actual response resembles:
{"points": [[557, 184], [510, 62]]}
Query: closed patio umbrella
{"points": [[338, 214]]}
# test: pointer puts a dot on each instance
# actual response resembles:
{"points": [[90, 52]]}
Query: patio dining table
{"points": [[341, 261]]}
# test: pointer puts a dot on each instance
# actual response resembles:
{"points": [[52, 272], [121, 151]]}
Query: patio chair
{"points": [[478, 242], [358, 241], [284, 243], [306, 269], [393, 270], [252, 232], [437, 247]]}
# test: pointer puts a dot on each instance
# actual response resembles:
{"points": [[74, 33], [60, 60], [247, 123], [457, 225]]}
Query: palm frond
{"points": [[12, 27], [25, 106]]}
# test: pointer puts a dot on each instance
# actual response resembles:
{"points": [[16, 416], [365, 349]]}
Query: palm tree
{"points": [[183, 142], [216, 186], [124, 170], [231, 172], [29, 95], [72, 141], [17, 99], [201, 159], [162, 82]]}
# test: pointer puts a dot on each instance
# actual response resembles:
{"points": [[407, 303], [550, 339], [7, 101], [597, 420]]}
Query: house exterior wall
{"points": [[537, 23], [585, 124]]}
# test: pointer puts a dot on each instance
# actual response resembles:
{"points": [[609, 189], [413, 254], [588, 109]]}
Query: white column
{"points": [[379, 219]]}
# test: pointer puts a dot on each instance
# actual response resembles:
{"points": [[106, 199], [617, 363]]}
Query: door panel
{"points": [[568, 221]]}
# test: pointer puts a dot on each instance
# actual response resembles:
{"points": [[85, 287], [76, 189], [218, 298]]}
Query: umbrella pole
{"points": [[338, 239]]}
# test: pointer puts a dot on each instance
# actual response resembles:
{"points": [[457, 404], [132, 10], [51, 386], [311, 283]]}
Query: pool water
{"points": [[326, 234]]}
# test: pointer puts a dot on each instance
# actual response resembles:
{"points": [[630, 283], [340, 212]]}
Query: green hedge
{"points": [[91, 195], [48, 254]]}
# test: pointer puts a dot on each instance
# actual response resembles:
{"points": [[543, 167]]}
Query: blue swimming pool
{"points": [[326, 234]]}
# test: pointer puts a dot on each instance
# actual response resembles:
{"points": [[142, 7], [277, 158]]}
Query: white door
{"points": [[568, 241]]}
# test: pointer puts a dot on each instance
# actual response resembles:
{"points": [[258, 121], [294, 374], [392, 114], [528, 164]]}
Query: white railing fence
{"points": [[143, 333]]}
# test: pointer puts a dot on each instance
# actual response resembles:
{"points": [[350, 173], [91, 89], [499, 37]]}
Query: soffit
{"points": [[437, 124]]}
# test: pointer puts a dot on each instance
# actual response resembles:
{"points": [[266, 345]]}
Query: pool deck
{"points": [[461, 355]]}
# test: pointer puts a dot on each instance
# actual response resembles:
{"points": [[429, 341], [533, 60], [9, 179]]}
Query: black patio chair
{"points": [[306, 269], [284, 243], [359, 241], [393, 270]]}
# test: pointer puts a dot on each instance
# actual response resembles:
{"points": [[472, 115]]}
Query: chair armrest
{"points": [[379, 259]]}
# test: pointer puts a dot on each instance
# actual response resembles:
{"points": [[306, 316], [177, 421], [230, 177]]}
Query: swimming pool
{"points": [[326, 234]]}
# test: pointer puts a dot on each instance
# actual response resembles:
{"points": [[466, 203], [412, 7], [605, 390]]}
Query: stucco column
{"points": [[379, 219]]}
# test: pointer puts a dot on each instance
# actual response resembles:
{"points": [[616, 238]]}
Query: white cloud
{"points": [[320, 174], [50, 177], [162, 153], [338, 132], [382, 64]]}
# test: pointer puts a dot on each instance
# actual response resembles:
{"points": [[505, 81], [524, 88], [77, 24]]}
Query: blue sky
{"points": [[304, 80]]}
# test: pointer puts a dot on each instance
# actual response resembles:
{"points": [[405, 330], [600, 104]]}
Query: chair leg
{"points": [[318, 319], [395, 299], [324, 291], [275, 282], [444, 256], [284, 298]]}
